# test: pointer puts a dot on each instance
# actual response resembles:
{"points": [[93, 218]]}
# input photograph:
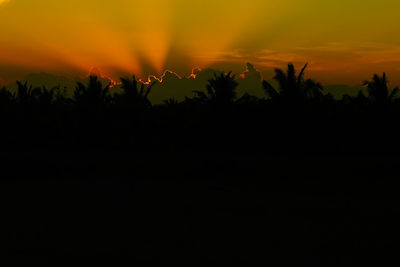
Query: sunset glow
{"points": [[342, 40]]}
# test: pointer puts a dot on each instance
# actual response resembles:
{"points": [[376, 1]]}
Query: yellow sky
{"points": [[344, 40]]}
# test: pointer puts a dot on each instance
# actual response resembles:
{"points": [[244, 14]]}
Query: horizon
{"points": [[145, 78], [345, 43], [173, 85]]}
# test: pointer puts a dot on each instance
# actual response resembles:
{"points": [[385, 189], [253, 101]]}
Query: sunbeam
{"points": [[148, 37]]}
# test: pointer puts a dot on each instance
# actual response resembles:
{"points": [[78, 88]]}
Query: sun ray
{"points": [[147, 37]]}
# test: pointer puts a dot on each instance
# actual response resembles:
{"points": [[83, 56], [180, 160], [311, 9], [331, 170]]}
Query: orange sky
{"points": [[344, 41]]}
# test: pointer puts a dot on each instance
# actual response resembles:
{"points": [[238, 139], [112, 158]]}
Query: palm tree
{"points": [[248, 99], [293, 87], [29, 96], [45, 96], [378, 90], [171, 102], [60, 97], [6, 97], [92, 95], [360, 99], [221, 89], [134, 95], [26, 94]]}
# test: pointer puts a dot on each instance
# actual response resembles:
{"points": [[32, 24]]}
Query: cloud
{"points": [[178, 87]]}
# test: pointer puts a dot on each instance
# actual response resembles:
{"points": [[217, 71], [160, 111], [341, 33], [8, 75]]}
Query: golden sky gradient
{"points": [[345, 41]]}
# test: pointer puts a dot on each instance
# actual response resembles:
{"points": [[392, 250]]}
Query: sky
{"points": [[345, 41]]}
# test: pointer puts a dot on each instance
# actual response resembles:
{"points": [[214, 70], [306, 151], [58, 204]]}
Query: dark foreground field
{"points": [[96, 208]]}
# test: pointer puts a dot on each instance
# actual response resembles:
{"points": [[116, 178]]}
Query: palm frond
{"points": [[301, 74], [269, 90], [394, 93]]}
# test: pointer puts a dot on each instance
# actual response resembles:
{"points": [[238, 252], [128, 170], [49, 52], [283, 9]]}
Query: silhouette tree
{"points": [[248, 99], [6, 97], [221, 89], [378, 90], [360, 99], [171, 102], [94, 95], [60, 96], [26, 94], [293, 87], [134, 95], [45, 96]]}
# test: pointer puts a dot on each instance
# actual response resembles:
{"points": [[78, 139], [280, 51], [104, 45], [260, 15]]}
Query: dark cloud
{"points": [[179, 87], [250, 81], [169, 85], [172, 85]]}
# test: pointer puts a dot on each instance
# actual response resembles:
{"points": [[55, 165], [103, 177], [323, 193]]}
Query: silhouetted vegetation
{"points": [[378, 91], [135, 94], [293, 88], [94, 95], [218, 179], [297, 117], [221, 90]]}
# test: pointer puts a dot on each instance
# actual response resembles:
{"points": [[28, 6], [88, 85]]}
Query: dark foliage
{"points": [[378, 91], [221, 90], [135, 94], [298, 117], [293, 88], [219, 179], [92, 96]]}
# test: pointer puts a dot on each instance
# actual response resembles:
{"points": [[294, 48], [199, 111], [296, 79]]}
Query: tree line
{"points": [[297, 115], [221, 89]]}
